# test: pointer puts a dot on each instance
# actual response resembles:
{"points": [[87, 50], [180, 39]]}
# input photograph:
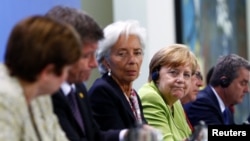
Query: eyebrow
{"points": [[198, 75]]}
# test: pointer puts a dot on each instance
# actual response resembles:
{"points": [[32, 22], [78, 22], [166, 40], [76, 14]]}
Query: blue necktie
{"points": [[226, 116]]}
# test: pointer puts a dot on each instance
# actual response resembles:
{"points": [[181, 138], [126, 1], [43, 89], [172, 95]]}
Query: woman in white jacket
{"points": [[38, 55]]}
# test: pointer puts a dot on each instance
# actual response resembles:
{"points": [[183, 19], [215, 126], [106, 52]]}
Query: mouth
{"points": [[132, 73], [178, 89], [196, 91]]}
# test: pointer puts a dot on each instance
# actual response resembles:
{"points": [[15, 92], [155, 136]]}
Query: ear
{"points": [[106, 63], [48, 71], [224, 82]]}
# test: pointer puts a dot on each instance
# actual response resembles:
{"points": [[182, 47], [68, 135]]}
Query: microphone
{"points": [[246, 122], [200, 133], [139, 133]]}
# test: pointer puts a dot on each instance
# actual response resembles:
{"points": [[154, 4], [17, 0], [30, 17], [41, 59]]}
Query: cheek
{"points": [[81, 65], [140, 61], [164, 86], [188, 84], [193, 85], [65, 73], [117, 68]]}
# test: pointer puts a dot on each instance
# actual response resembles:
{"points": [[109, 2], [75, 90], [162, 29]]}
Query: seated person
{"points": [[39, 53], [227, 86], [70, 102], [114, 102], [79, 125], [170, 72], [197, 83]]}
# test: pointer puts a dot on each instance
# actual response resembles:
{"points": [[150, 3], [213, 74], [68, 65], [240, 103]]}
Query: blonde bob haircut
{"points": [[174, 55]]}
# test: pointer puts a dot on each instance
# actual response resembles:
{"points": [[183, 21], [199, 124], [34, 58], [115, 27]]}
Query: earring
{"points": [[109, 72]]}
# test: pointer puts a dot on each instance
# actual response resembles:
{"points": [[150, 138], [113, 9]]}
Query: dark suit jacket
{"points": [[206, 107], [110, 107], [248, 120], [69, 124]]}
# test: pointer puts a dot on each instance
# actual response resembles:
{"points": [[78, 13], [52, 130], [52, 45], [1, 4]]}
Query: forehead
{"points": [[185, 67], [243, 73], [89, 47], [126, 41]]}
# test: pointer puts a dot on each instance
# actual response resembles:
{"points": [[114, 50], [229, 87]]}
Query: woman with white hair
{"points": [[114, 102]]}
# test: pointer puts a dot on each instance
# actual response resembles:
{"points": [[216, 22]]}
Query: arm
{"points": [[156, 115], [10, 127], [204, 109], [49, 122], [107, 108], [65, 118]]}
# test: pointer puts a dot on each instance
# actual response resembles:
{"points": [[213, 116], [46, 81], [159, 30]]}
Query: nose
{"points": [[93, 63], [132, 58], [246, 90], [200, 83], [180, 78]]}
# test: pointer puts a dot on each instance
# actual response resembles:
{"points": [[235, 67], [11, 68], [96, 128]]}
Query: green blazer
{"points": [[172, 124]]}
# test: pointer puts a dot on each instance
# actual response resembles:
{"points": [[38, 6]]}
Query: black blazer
{"points": [[69, 124], [110, 107], [206, 107]]}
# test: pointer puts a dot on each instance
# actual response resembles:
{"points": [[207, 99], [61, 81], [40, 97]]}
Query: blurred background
{"points": [[209, 27]]}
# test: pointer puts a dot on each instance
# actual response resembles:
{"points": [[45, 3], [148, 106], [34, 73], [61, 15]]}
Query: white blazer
{"points": [[15, 118]]}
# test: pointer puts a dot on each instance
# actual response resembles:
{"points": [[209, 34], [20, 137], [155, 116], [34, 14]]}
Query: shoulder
{"points": [[205, 100], [9, 86], [149, 95], [13, 107], [11, 93], [99, 83], [104, 86], [43, 104], [177, 105], [148, 91]]}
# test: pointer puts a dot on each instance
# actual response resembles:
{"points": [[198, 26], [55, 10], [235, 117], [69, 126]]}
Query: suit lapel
{"points": [[215, 101], [67, 106], [127, 106], [84, 107], [60, 96], [118, 91]]}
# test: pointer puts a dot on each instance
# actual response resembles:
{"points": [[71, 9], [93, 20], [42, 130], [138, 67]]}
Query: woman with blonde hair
{"points": [[170, 72]]}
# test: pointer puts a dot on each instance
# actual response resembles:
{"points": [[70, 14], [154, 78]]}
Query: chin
{"points": [[193, 99], [84, 79]]}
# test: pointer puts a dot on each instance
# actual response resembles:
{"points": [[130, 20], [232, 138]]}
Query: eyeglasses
{"points": [[198, 75]]}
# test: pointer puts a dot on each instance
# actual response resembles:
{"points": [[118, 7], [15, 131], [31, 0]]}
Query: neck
{"points": [[169, 100], [125, 86], [222, 94], [30, 91], [126, 90]]}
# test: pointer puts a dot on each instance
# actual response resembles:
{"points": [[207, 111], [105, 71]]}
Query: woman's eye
{"points": [[173, 73], [138, 53], [122, 54], [187, 75]]}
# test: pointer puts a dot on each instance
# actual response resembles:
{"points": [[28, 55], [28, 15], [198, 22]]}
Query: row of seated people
{"points": [[111, 109], [115, 105], [52, 54]]}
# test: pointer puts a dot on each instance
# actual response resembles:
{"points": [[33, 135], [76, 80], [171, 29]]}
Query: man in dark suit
{"points": [[81, 127], [227, 86]]}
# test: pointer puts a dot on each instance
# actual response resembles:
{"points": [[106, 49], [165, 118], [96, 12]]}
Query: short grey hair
{"points": [[111, 35], [228, 67]]}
